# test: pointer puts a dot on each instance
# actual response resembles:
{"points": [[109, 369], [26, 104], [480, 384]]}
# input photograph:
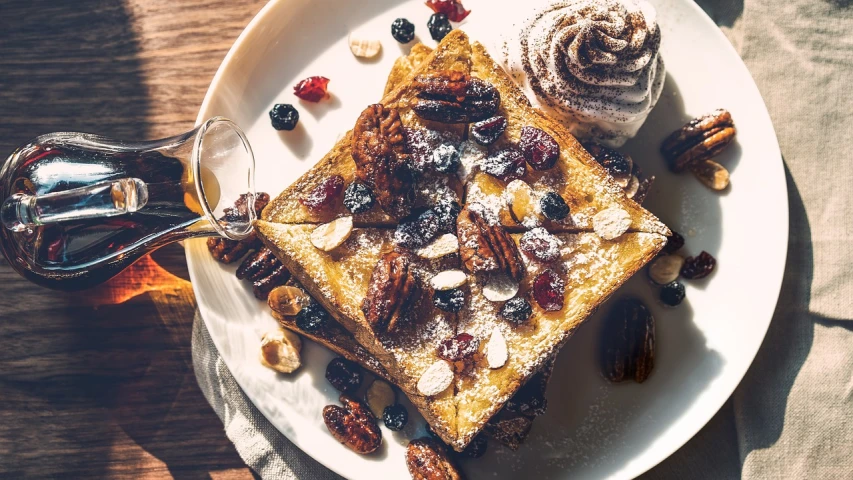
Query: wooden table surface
{"points": [[100, 385]]}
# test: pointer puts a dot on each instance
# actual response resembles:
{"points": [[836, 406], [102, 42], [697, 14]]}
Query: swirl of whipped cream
{"points": [[594, 63]]}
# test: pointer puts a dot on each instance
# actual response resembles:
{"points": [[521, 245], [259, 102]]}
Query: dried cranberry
{"points": [[324, 194], [344, 375], [488, 131], [312, 89], [438, 26], [418, 229], [458, 348], [477, 447], [540, 149], [549, 291], [674, 243], [506, 164], [699, 266], [452, 8], [540, 244], [516, 310]]}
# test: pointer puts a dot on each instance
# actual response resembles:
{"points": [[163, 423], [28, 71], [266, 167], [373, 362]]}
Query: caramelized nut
{"points": [[280, 350], [426, 459], [353, 425], [711, 174]]}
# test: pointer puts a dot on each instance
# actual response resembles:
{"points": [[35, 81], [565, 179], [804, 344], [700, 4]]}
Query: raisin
{"points": [[452, 8], [395, 417], [699, 266], [506, 164], [358, 198], [439, 26], [324, 194], [549, 291], [540, 244], [449, 300], [540, 149], [461, 347], [312, 89], [417, 230], [477, 448], [516, 310], [553, 206], [488, 131], [447, 211], [674, 242], [445, 159], [403, 30], [284, 116], [344, 375], [672, 294], [312, 317]]}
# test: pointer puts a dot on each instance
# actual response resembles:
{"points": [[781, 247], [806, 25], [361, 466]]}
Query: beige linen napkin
{"points": [[792, 416]]}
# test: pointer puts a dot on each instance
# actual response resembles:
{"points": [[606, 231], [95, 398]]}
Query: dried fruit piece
{"points": [[516, 310], [280, 350], [619, 166], [312, 89], [521, 202], [459, 348], [553, 206], [379, 396], [449, 300], [417, 230], [330, 236], [403, 30], [549, 291], [477, 448], [312, 317], [391, 291], [539, 148], [496, 350], [353, 425], [284, 116], [540, 244], [427, 459], [435, 379], [364, 47], [628, 342], [611, 223], [288, 300], [488, 131], [665, 268], [711, 174], [445, 159], [447, 212], [530, 399], [450, 96], [699, 266], [344, 375], [448, 280], [358, 198], [452, 8], [700, 139], [395, 417], [672, 294], [500, 288], [440, 247], [674, 242], [324, 194], [439, 26], [506, 164]]}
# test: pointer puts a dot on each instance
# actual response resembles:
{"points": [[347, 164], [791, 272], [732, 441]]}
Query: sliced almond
{"points": [[665, 269], [611, 223], [633, 187], [287, 300], [500, 288], [330, 236], [521, 202], [496, 349], [448, 280], [440, 247], [435, 379], [712, 174], [280, 350], [379, 395], [363, 47]]}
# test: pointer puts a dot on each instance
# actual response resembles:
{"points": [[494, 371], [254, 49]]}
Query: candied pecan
{"points": [[700, 139], [226, 250], [265, 272], [486, 247], [455, 97], [382, 159], [628, 342], [391, 291], [353, 425], [428, 460]]}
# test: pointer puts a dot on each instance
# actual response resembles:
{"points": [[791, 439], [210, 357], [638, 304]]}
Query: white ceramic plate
{"points": [[592, 429]]}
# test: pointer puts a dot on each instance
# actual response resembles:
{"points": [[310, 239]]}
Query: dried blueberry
{"points": [[449, 300], [539, 148], [489, 130], [699, 266], [516, 310], [403, 30], [418, 229], [447, 211], [439, 26], [506, 164], [358, 198], [672, 293], [344, 375], [553, 206], [445, 159], [284, 116], [477, 447], [312, 317], [395, 417], [674, 242]]}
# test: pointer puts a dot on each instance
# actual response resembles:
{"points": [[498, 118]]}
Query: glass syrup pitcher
{"points": [[77, 208]]}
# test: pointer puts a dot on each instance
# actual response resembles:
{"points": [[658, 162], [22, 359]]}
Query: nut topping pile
{"points": [[694, 145], [455, 97]]}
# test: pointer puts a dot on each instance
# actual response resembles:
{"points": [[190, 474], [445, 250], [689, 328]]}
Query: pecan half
{"points": [[265, 272], [455, 97], [628, 342], [227, 251], [390, 293], [700, 139], [382, 159], [426, 459], [486, 247], [353, 425]]}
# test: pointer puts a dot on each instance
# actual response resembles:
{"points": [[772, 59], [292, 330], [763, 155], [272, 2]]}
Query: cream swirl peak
{"points": [[594, 63]]}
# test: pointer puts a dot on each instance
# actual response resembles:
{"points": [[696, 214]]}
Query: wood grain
{"points": [[101, 385]]}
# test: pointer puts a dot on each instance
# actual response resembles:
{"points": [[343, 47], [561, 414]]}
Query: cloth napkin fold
{"points": [[792, 415]]}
